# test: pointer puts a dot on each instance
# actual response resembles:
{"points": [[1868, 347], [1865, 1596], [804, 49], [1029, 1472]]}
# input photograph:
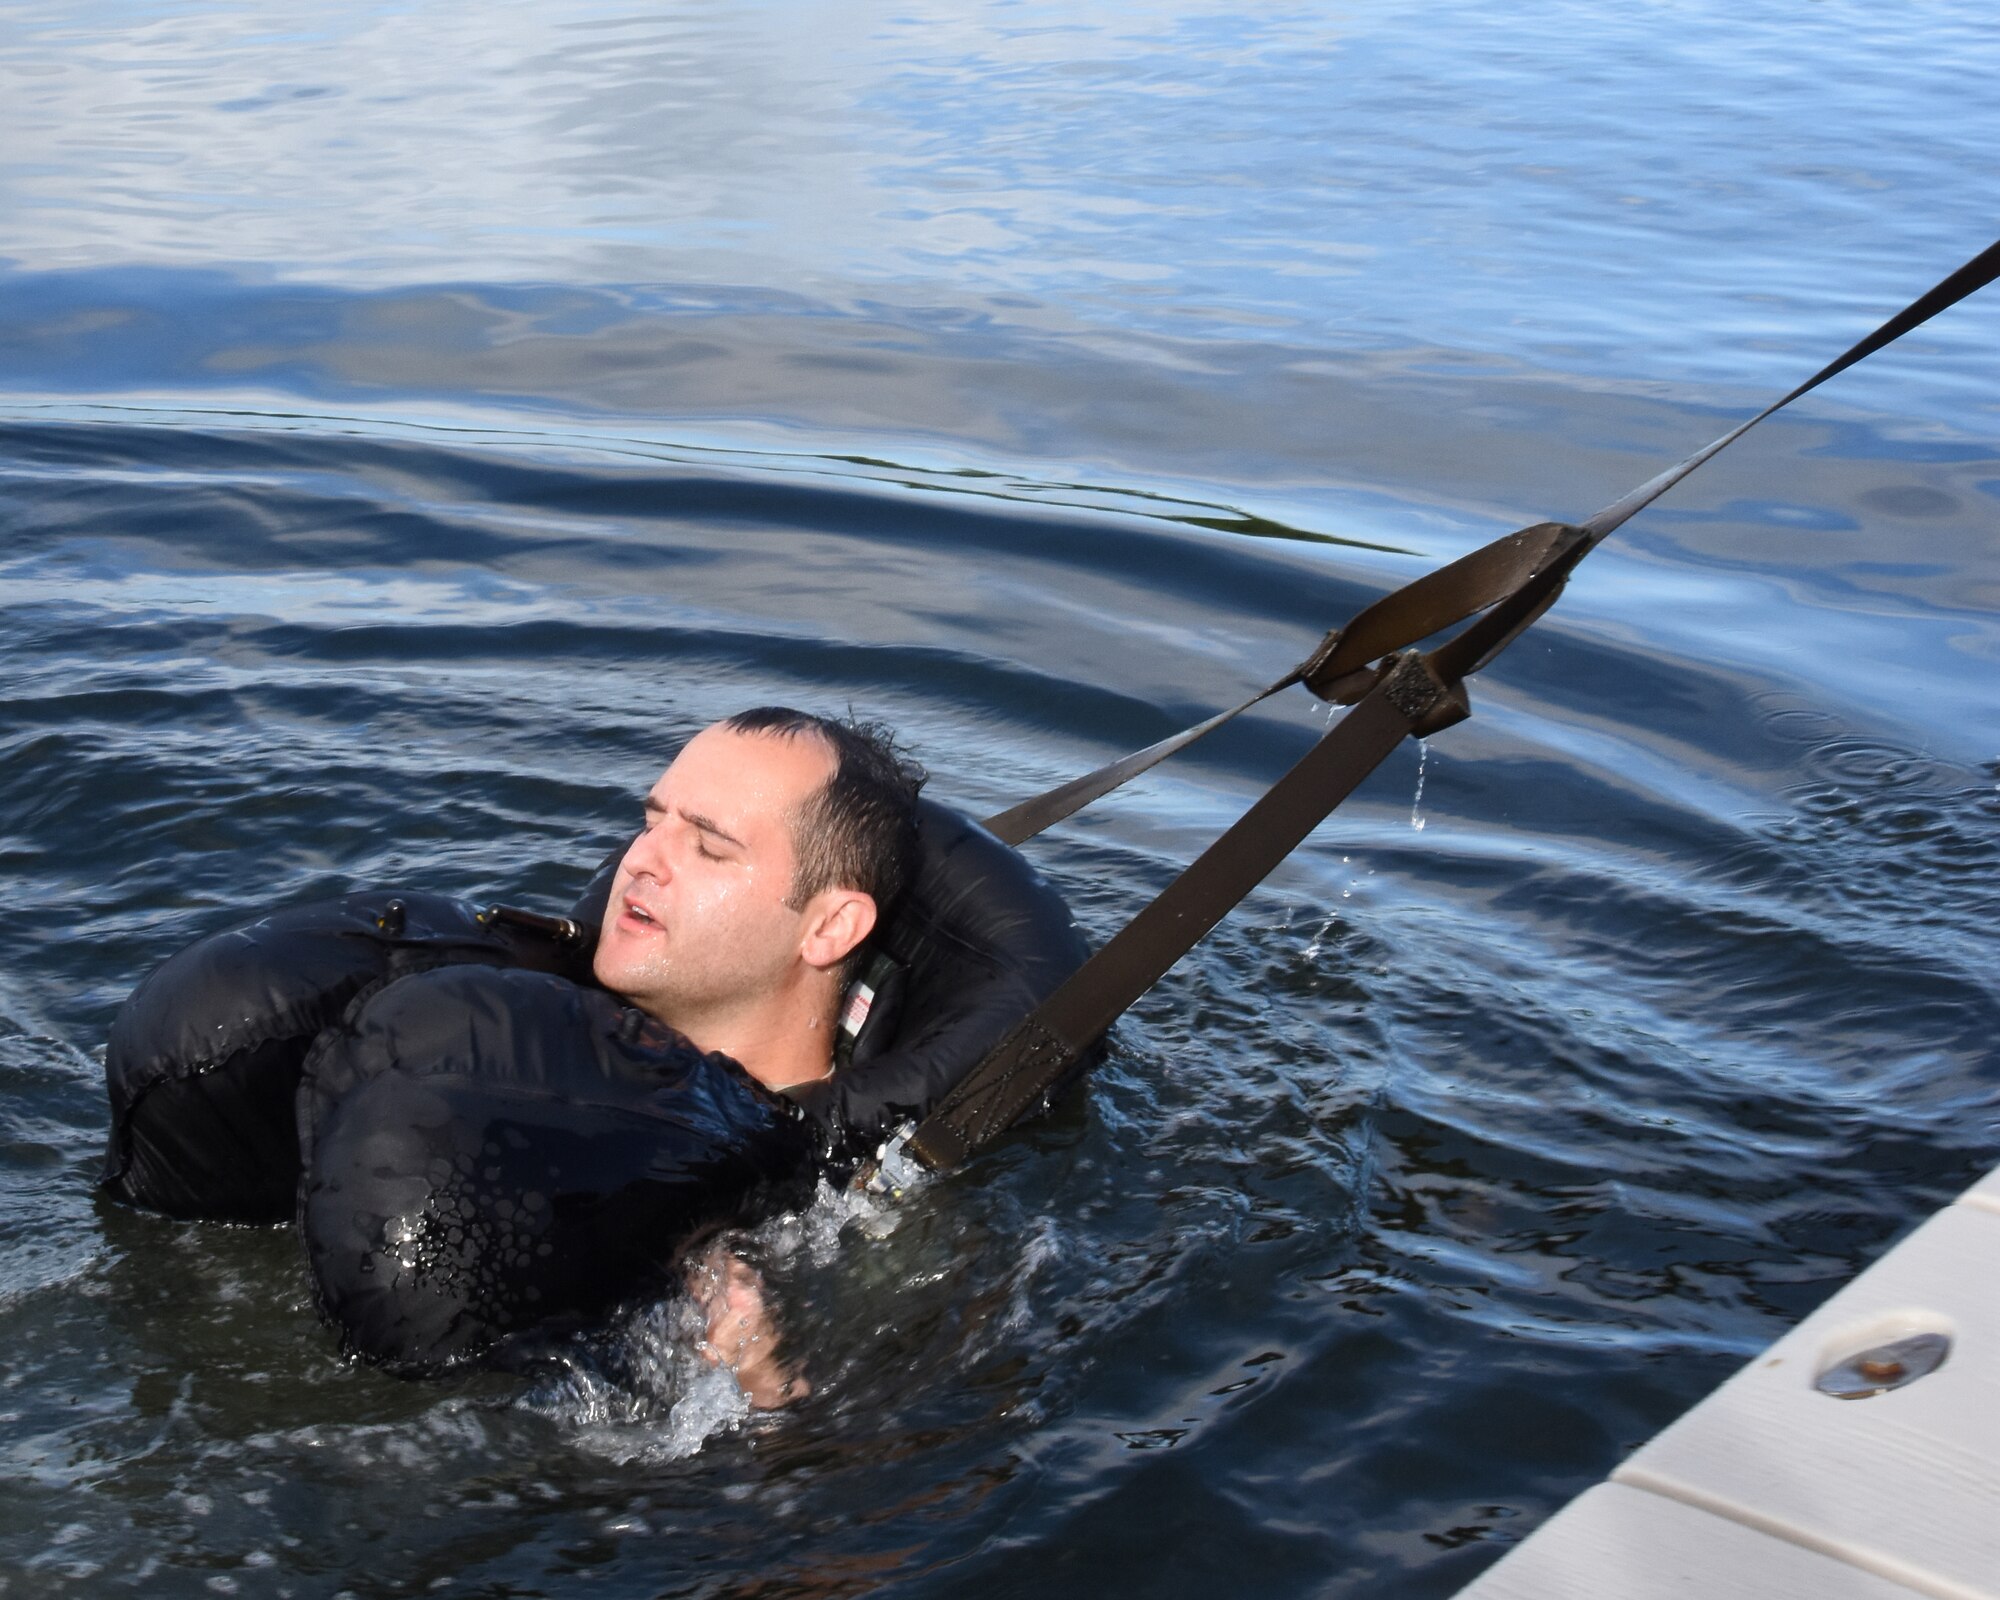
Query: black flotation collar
{"points": [[492, 1157], [203, 1060], [480, 1145]]}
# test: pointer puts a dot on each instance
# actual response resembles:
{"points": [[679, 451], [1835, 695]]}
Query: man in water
{"points": [[772, 846]]}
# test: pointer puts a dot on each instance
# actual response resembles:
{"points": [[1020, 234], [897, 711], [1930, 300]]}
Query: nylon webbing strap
{"points": [[1512, 581], [1433, 603], [1975, 275], [1022, 822], [1339, 668]]}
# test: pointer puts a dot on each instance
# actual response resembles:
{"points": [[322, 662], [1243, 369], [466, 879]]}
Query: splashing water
{"points": [[1417, 804], [1318, 940], [648, 1395], [647, 1391]]}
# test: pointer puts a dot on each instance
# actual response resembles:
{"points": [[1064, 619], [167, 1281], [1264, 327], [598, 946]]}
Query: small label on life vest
{"points": [[856, 1013]]}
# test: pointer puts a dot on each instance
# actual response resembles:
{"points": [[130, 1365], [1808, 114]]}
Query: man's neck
{"points": [[786, 1041]]}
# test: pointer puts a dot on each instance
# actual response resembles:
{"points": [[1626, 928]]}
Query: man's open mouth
{"points": [[640, 914]]}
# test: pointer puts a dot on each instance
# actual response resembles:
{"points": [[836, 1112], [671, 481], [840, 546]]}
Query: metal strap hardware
{"points": [[892, 1171], [560, 929]]}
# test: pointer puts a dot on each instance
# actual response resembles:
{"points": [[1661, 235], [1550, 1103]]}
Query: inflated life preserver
{"points": [[480, 1145], [203, 1060], [497, 1156]]}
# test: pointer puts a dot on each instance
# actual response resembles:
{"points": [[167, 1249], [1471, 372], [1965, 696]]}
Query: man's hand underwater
{"points": [[741, 1334]]}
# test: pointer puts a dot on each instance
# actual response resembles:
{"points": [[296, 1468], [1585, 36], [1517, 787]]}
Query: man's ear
{"points": [[836, 921]]}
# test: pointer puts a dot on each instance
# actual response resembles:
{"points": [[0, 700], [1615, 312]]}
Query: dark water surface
{"points": [[415, 419]]}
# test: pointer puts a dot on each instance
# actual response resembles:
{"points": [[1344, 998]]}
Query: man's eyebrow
{"points": [[707, 825], [655, 807]]}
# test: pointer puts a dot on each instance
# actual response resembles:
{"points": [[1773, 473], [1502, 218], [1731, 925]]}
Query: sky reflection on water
{"points": [[1678, 193]]}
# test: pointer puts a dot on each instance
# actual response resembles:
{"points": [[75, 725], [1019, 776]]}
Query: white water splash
{"points": [[659, 1397], [815, 1232], [1417, 805], [667, 1403], [1318, 940]]}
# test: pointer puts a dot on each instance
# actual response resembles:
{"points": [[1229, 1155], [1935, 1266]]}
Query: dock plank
{"points": [[1614, 1542], [1906, 1483]]}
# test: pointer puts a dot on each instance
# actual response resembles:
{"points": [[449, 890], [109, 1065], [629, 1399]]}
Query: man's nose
{"points": [[648, 854]]}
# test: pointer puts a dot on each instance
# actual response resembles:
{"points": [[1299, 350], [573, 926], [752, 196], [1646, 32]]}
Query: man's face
{"points": [[698, 926]]}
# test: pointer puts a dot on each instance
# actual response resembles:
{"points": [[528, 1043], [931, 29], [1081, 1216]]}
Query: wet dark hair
{"points": [[859, 831]]}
